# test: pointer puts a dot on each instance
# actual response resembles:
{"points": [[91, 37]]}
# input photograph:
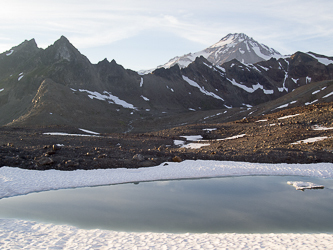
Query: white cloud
{"points": [[286, 25]]}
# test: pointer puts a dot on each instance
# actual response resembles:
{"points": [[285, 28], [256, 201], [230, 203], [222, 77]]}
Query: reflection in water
{"points": [[232, 204]]}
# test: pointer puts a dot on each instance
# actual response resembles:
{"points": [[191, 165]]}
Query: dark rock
{"points": [[45, 161], [146, 163], [138, 157]]}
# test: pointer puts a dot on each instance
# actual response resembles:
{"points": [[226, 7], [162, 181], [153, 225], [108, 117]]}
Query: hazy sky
{"points": [[141, 34]]}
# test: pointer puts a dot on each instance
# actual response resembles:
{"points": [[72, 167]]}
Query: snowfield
{"points": [[18, 234]]}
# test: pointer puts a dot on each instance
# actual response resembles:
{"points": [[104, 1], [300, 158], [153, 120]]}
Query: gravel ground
{"points": [[263, 139]]}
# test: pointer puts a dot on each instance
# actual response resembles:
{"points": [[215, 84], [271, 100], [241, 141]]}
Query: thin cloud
{"points": [[285, 25]]}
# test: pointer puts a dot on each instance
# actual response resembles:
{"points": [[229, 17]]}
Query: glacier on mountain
{"points": [[233, 46]]}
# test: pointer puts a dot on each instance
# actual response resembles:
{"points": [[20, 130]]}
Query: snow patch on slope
{"points": [[249, 89], [10, 52], [107, 96], [202, 90], [322, 60]]}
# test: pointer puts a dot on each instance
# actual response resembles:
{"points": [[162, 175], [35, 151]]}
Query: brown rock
{"points": [[177, 159]]}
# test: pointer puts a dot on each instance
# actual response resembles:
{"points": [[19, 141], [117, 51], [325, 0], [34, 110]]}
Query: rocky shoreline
{"points": [[272, 138]]}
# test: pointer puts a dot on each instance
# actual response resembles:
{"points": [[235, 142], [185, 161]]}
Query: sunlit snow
{"points": [[67, 134], [88, 131], [195, 145], [107, 96], [202, 89], [328, 95], [287, 116], [178, 142], [209, 129], [20, 76], [232, 137], [310, 103], [308, 79], [192, 137], [249, 89], [322, 60], [301, 185], [312, 140], [317, 127], [144, 98]]}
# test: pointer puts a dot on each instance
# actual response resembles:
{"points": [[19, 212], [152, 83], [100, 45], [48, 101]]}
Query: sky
{"points": [[147, 33]]}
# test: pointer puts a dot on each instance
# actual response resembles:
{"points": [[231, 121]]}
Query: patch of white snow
{"points": [[301, 185], [66, 134], [310, 103], [328, 95], [195, 145], [287, 116], [202, 89], [89, 132], [312, 140], [10, 52], [317, 127], [322, 60], [192, 137], [144, 98], [107, 96]]}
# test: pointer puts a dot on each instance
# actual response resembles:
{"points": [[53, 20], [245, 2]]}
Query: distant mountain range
{"points": [[59, 86]]}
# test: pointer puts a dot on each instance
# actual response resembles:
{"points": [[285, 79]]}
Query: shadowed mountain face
{"points": [[59, 86]]}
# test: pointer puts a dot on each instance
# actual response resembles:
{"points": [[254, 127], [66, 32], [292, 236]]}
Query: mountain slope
{"points": [[59, 86]]}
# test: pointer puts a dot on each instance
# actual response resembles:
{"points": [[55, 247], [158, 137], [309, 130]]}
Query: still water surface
{"points": [[253, 204]]}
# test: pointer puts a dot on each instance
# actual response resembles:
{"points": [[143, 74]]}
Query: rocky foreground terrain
{"points": [[256, 139]]}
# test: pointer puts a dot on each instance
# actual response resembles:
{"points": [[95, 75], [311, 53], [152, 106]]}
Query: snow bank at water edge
{"points": [[16, 181]]}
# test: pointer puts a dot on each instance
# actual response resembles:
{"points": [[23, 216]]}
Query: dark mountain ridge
{"points": [[59, 86]]}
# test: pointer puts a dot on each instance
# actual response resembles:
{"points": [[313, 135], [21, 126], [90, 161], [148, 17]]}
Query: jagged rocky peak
{"points": [[28, 44], [64, 48], [27, 47]]}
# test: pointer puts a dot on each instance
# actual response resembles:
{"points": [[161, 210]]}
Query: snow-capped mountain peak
{"points": [[233, 46]]}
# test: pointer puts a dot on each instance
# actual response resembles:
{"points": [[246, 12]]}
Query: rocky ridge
{"points": [[59, 86]]}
